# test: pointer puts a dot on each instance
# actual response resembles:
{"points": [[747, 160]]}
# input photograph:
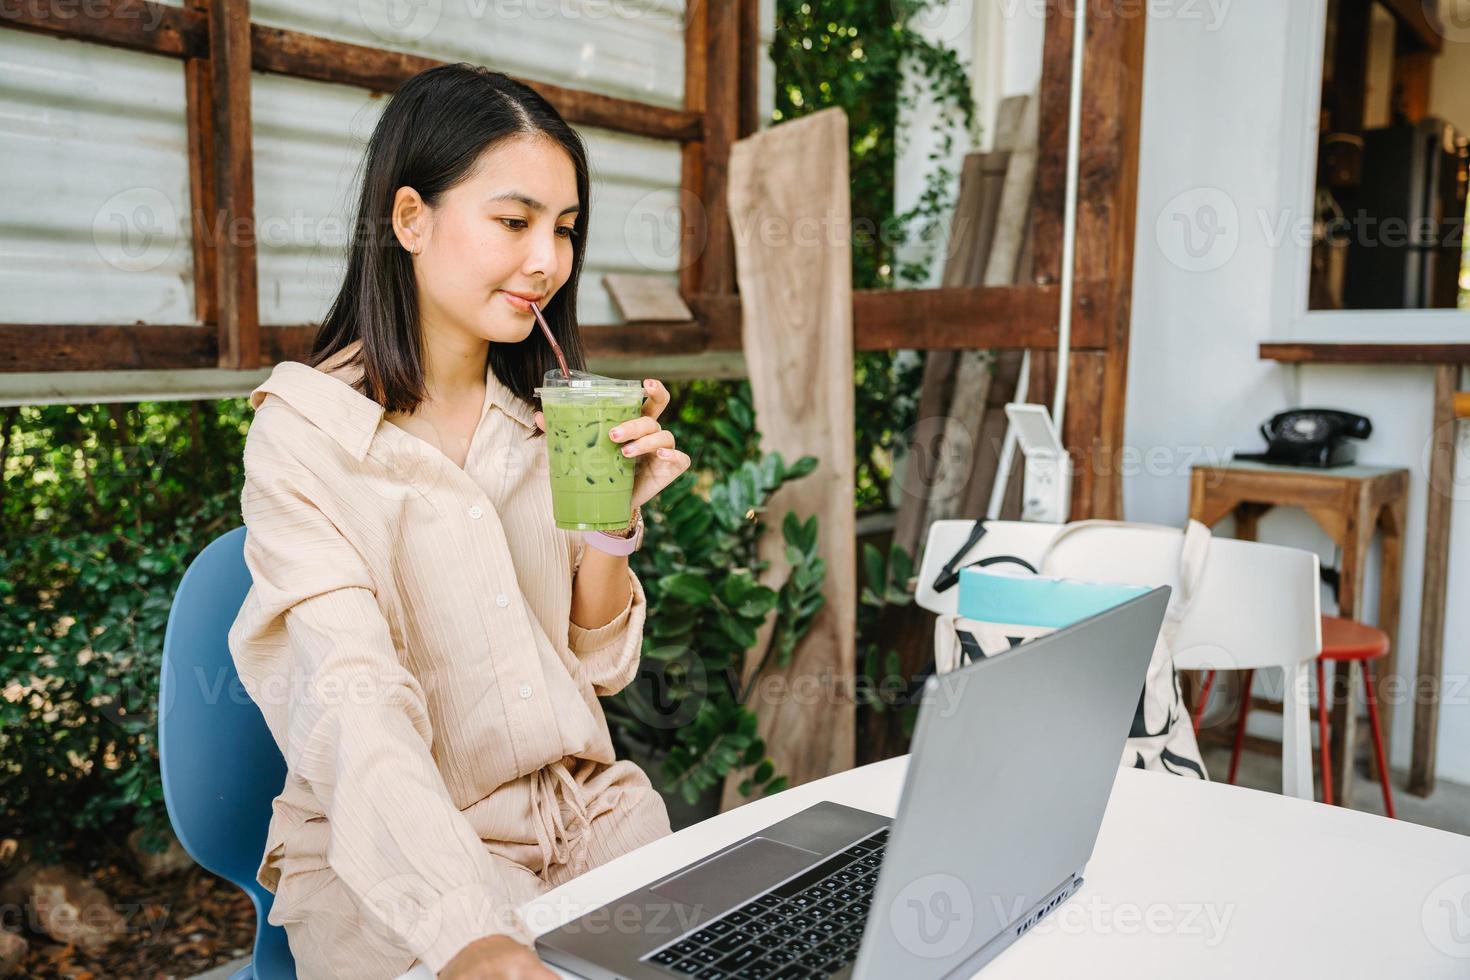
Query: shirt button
{"points": [[476, 512], [502, 600], [526, 691]]}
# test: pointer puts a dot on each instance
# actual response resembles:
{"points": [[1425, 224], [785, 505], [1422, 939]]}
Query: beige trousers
{"points": [[331, 942]]}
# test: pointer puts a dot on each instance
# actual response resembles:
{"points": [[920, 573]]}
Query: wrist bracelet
{"points": [[613, 543]]}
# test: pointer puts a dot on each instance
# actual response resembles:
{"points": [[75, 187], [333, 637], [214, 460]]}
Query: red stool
{"points": [[1348, 642], [1343, 641]]}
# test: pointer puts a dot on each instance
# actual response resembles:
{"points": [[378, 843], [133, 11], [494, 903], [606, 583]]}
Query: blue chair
{"points": [[221, 767]]}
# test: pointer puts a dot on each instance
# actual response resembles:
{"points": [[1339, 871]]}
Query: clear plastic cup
{"points": [[591, 479]]}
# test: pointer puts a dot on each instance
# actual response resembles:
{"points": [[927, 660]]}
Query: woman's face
{"points": [[497, 240]]}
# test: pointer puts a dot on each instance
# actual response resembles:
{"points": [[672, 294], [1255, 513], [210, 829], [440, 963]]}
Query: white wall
{"points": [[1212, 157], [1211, 137]]}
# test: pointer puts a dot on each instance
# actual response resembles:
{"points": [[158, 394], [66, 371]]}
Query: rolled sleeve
{"points": [[354, 723], [609, 654]]}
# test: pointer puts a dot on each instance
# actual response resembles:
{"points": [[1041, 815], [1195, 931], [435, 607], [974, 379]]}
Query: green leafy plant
{"points": [[885, 584], [700, 569]]}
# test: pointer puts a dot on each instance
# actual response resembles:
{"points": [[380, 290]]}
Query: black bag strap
{"points": [[949, 574]]}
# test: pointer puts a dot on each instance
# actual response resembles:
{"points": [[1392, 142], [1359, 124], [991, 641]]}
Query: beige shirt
{"points": [[408, 638]]}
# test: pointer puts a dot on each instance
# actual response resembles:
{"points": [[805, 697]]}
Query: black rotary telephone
{"points": [[1311, 437]]}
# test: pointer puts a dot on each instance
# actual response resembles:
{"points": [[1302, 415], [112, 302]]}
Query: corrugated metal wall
{"points": [[94, 216]]}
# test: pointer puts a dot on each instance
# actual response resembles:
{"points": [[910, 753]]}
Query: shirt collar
{"points": [[332, 404]]}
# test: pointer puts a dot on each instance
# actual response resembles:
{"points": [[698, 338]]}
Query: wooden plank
{"points": [[976, 369], [1421, 22], [721, 119], [944, 319], [966, 318], [693, 227], [798, 348], [639, 297], [927, 475], [1430, 669], [1413, 78], [184, 33], [64, 347], [133, 25], [199, 121], [1305, 353], [1115, 49], [237, 297], [750, 67], [322, 59], [1392, 520]]}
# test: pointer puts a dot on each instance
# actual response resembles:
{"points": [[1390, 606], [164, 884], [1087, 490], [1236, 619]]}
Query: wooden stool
{"points": [[1349, 503]]}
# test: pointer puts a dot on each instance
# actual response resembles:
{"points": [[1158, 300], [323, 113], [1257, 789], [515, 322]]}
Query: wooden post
{"points": [[750, 68], [1436, 579], [692, 216], [721, 120], [796, 292], [199, 101], [1111, 107], [234, 214]]}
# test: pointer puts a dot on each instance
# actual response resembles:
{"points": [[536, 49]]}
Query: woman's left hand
{"points": [[659, 461]]}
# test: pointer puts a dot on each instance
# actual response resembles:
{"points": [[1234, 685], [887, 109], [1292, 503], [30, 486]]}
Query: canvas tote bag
{"points": [[1161, 737]]}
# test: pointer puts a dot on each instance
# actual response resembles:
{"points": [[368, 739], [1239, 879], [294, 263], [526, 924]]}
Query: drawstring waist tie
{"points": [[552, 832]]}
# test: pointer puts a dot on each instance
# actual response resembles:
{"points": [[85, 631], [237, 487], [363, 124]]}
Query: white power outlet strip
{"points": [[1046, 488]]}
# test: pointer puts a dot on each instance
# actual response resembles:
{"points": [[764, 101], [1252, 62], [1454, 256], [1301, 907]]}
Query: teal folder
{"points": [[1036, 600]]}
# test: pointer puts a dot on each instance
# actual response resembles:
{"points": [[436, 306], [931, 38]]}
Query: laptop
{"points": [[1012, 762]]}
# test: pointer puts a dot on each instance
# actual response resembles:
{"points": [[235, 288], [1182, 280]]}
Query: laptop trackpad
{"points": [[726, 881]]}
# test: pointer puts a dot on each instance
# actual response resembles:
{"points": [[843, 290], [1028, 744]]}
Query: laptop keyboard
{"points": [[808, 927]]}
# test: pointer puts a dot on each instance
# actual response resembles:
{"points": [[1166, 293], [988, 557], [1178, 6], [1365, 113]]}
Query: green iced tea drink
{"points": [[591, 479]]}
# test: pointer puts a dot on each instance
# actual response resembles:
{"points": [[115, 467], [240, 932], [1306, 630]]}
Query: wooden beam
{"points": [[237, 297], [1413, 78], [1419, 22], [1430, 680], [67, 347], [721, 122], [199, 116], [967, 318], [750, 67], [299, 55], [1288, 352], [133, 25], [1107, 200], [693, 227], [154, 28], [1000, 317]]}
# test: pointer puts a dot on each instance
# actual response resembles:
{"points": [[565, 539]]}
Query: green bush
{"points": [[103, 508]]}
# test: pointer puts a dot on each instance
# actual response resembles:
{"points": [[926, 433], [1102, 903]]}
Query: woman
{"points": [[427, 647]]}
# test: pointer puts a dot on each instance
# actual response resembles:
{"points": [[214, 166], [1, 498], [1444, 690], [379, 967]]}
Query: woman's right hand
{"points": [[496, 958]]}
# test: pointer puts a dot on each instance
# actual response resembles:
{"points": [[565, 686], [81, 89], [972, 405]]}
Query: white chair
{"points": [[1254, 606], [1260, 606]]}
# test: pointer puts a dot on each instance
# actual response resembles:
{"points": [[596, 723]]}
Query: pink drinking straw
{"points": [[555, 347]]}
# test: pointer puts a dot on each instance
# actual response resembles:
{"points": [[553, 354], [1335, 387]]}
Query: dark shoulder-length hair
{"points": [[430, 135]]}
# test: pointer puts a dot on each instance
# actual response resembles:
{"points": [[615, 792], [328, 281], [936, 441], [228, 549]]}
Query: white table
{"points": [[1188, 879]]}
